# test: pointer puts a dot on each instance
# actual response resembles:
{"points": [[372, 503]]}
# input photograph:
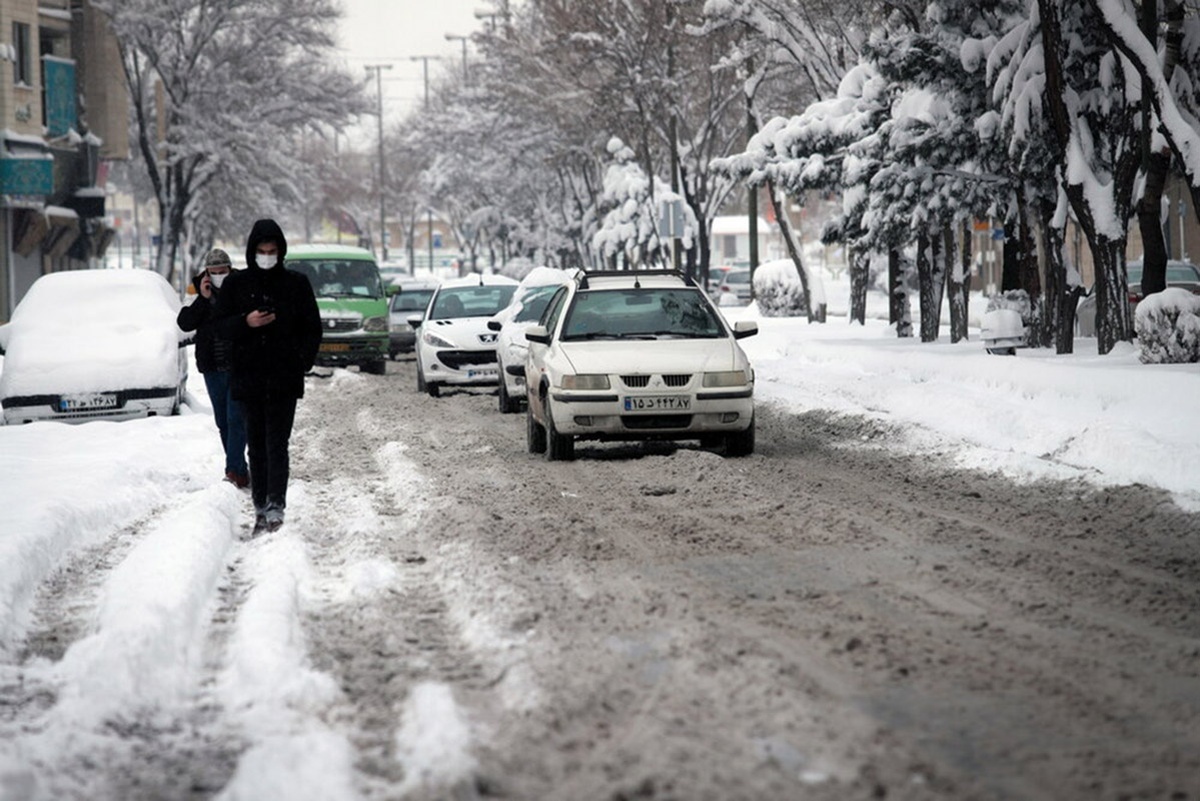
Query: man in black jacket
{"points": [[271, 316], [213, 360]]}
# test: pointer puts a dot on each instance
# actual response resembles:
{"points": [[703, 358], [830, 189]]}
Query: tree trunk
{"points": [[786, 230], [931, 283], [1059, 300], [1112, 294], [959, 292], [860, 267], [898, 309]]}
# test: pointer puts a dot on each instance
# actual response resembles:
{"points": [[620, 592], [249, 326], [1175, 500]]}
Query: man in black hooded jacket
{"points": [[271, 316]]}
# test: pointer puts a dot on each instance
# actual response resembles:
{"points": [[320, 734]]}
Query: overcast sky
{"points": [[393, 31]]}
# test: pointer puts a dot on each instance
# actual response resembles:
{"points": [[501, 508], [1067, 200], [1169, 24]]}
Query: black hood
{"points": [[263, 230]]}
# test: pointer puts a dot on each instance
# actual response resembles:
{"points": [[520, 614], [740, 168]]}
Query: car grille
{"points": [[655, 421], [640, 381], [455, 359], [334, 325]]}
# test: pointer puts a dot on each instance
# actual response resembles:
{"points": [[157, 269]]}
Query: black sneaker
{"points": [[261, 525], [274, 517]]}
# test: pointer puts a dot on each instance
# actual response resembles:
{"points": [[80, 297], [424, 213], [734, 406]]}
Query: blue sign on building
{"points": [[26, 176], [60, 95]]}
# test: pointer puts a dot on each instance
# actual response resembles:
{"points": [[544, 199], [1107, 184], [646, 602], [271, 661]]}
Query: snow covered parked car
{"points": [[454, 344], [528, 304], [636, 354], [89, 344]]}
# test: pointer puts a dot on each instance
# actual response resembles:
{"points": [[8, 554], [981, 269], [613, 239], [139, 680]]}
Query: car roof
{"points": [[629, 279], [479, 280], [319, 251]]}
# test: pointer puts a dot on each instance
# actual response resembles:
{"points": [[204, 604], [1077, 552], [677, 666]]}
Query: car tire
{"points": [[740, 443], [420, 378], [378, 367], [506, 403], [559, 447], [535, 435], [434, 390]]}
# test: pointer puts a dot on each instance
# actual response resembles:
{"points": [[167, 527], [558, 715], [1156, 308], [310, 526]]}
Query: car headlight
{"points": [[375, 324], [585, 382], [730, 378], [433, 340]]}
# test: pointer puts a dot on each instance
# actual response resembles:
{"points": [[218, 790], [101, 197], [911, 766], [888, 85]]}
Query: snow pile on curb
{"points": [[1168, 327]]}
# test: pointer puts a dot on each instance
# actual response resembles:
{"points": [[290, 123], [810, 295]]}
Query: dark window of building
{"points": [[21, 66]]}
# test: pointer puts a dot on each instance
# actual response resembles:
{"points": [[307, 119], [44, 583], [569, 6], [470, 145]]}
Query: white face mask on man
{"points": [[217, 279], [265, 261]]}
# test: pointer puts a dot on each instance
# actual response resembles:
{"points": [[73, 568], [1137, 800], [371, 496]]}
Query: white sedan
{"points": [[454, 344], [88, 344], [528, 303], [637, 355]]}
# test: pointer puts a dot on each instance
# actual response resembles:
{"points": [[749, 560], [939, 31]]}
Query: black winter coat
{"points": [[271, 359], [213, 353]]}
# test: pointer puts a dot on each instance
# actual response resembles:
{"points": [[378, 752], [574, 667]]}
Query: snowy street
{"points": [[915, 587]]}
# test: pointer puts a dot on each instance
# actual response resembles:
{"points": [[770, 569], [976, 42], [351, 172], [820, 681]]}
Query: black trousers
{"points": [[268, 428]]}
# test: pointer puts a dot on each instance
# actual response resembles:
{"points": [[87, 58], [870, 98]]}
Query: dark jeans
{"points": [[228, 414], [268, 428]]}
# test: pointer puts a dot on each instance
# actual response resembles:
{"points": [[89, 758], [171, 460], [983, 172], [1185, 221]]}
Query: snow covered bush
{"points": [[1015, 299], [1168, 327], [778, 291]]}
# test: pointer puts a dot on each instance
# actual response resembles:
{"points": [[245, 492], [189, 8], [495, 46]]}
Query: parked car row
{"points": [[622, 355], [1179, 274]]}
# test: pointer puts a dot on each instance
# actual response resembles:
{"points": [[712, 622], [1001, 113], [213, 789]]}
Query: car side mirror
{"points": [[538, 334], [744, 328], [392, 289], [415, 320], [494, 325]]}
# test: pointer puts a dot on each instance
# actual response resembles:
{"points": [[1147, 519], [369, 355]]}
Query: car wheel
{"points": [[1002, 351], [434, 390], [420, 378], [535, 435], [710, 440], [507, 404], [559, 447], [740, 443], [378, 367]]}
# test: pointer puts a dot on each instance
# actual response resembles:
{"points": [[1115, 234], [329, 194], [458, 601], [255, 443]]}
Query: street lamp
{"points": [[450, 37], [378, 70], [425, 59]]}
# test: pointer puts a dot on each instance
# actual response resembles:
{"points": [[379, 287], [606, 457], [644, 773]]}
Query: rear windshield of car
{"points": [[340, 278], [650, 313], [471, 301], [411, 299], [737, 277]]}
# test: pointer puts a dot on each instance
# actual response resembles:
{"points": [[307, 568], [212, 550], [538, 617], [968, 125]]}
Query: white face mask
{"points": [[217, 280], [264, 261]]}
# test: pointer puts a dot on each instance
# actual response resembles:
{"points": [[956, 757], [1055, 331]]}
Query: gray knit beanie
{"points": [[217, 258]]}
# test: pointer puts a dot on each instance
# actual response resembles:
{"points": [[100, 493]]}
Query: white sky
{"points": [[394, 31]]}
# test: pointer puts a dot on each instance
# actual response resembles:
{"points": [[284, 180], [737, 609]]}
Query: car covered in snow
{"points": [[528, 304], [1181, 274], [92, 344], [637, 355], [454, 344]]}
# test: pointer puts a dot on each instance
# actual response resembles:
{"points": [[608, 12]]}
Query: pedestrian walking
{"points": [[213, 360], [270, 315]]}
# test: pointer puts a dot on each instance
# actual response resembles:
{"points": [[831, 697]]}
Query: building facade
{"points": [[64, 111]]}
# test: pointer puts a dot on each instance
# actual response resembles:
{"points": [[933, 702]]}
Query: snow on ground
{"points": [[66, 489]]}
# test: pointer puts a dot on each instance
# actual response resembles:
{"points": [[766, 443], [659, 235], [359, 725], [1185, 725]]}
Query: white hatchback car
{"points": [[632, 355], [454, 344], [528, 304], [93, 344]]}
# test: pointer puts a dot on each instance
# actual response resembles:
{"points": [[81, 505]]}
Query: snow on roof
{"points": [[732, 224]]}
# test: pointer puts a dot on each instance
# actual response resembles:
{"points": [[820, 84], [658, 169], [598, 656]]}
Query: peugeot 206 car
{"points": [[90, 344], [528, 304], [634, 355], [454, 344]]}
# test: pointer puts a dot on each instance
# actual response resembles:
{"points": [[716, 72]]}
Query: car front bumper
{"points": [[461, 367], [119, 405], [336, 350], [604, 414]]}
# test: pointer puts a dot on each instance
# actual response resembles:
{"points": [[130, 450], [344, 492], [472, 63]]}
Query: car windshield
{"points": [[641, 314], [1134, 272], [471, 301], [1182, 272], [737, 277], [534, 304], [340, 278], [411, 300]]}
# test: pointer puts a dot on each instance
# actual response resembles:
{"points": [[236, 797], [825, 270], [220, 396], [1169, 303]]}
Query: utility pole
{"points": [[378, 70]]}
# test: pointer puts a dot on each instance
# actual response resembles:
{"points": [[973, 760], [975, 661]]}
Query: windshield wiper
{"points": [[590, 335]]}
